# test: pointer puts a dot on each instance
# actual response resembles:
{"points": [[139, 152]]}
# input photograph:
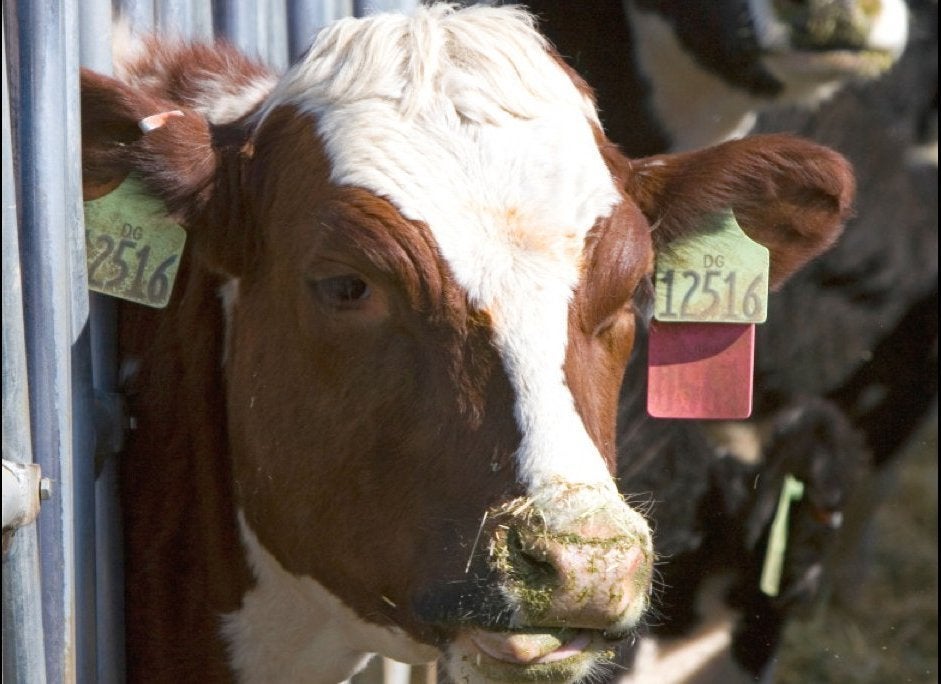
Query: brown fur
{"points": [[188, 73]]}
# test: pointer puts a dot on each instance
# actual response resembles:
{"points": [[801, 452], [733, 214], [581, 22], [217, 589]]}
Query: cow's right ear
{"points": [[791, 195], [175, 153]]}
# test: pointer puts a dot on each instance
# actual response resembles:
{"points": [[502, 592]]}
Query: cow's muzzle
{"points": [[580, 558], [574, 565]]}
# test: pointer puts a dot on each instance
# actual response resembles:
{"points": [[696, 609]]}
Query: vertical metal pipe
{"points": [[273, 21], [140, 14], [82, 390], [202, 20], [258, 27], [55, 323], [109, 548], [306, 17], [236, 21], [184, 18], [46, 271], [95, 33], [83, 404], [363, 7], [175, 17], [23, 648]]}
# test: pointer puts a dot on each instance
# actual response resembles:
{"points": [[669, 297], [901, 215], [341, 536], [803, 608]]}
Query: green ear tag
{"points": [[791, 491], [133, 249], [719, 275]]}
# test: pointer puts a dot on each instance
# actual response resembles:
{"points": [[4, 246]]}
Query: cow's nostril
{"points": [[528, 562]]}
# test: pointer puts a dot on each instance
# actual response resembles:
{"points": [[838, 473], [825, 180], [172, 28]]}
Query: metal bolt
{"points": [[45, 489]]}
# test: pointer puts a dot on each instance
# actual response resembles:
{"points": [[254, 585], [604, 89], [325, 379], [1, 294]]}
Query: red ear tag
{"points": [[700, 370]]}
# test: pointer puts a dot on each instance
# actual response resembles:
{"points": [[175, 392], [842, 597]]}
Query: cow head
{"points": [[713, 66], [431, 255]]}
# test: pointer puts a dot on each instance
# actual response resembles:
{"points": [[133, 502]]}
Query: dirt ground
{"points": [[881, 625]]}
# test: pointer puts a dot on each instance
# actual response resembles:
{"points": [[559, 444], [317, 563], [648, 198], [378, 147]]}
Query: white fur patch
{"points": [[741, 440], [222, 101], [464, 121], [292, 630], [126, 43], [890, 30], [696, 108]]}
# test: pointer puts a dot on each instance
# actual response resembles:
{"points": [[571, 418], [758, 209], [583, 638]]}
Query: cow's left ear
{"points": [[791, 195], [177, 155]]}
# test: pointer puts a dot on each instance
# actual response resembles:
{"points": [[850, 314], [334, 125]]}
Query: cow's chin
{"points": [[552, 656]]}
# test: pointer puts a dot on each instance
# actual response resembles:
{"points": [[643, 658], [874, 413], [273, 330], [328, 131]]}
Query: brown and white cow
{"points": [[378, 414]]}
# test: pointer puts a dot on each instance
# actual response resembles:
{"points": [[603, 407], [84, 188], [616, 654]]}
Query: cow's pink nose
{"points": [[592, 573]]}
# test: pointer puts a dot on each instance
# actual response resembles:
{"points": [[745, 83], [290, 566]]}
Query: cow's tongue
{"points": [[531, 648]]}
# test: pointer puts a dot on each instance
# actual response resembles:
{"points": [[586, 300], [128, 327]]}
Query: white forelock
{"points": [[481, 62], [464, 121]]}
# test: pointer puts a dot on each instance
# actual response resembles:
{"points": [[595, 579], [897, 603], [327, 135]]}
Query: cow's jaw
{"points": [[292, 629]]}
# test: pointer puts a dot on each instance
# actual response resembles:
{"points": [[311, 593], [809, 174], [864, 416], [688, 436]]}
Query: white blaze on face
{"points": [[476, 131]]}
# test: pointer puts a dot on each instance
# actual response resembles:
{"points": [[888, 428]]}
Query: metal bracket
{"points": [[23, 489]]}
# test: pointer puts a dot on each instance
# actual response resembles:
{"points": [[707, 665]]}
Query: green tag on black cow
{"points": [[772, 569], [133, 248], [719, 275]]}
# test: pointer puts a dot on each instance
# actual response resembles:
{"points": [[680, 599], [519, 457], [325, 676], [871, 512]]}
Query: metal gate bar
{"points": [[95, 23], [306, 17], [23, 649], [46, 142]]}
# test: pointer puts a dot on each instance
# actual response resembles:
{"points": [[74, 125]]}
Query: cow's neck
{"points": [[185, 566]]}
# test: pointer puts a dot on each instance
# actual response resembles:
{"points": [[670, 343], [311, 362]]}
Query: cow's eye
{"points": [[342, 291]]}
